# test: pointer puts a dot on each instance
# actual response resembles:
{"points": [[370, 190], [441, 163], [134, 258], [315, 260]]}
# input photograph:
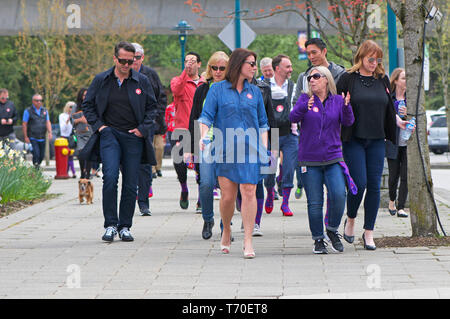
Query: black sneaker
{"points": [[320, 247], [335, 241], [110, 233], [207, 229], [158, 172], [125, 234], [184, 200], [145, 212]]}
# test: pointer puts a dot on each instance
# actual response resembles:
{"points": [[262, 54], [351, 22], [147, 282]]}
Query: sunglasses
{"points": [[215, 68], [125, 61], [371, 60], [252, 64], [138, 57], [314, 76], [37, 100]]}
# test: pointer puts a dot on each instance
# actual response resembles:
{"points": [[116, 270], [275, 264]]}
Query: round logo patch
{"points": [[7, 110], [250, 96], [280, 108], [315, 109], [138, 91]]}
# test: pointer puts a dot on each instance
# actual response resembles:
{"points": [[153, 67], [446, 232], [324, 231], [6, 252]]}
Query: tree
{"points": [[412, 15], [42, 53], [348, 19], [110, 22]]}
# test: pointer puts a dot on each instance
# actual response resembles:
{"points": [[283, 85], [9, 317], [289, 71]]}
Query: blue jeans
{"points": [[207, 184], [120, 151], [38, 151], [365, 161], [299, 177], [289, 147], [313, 180]]}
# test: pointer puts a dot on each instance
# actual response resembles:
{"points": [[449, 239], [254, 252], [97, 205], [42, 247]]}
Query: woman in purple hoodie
{"points": [[321, 113]]}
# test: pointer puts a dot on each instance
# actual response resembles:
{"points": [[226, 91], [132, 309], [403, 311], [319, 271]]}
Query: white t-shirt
{"points": [[65, 128]]}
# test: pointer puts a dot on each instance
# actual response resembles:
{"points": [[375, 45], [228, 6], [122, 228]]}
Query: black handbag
{"points": [[72, 140]]}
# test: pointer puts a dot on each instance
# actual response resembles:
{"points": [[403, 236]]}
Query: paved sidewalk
{"points": [[54, 250]]}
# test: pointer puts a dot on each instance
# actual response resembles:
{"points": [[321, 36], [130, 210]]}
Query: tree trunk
{"points": [[423, 217]]}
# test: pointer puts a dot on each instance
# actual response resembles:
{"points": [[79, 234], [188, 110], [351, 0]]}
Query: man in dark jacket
{"points": [[121, 108], [145, 175], [8, 117], [35, 125]]}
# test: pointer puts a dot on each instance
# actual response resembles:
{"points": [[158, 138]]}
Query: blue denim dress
{"points": [[238, 120]]}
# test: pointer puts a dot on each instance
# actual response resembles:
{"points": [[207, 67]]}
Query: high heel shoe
{"points": [[250, 255], [368, 247], [225, 249], [348, 239]]}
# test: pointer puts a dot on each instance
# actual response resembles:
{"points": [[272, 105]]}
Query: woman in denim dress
{"points": [[235, 109]]}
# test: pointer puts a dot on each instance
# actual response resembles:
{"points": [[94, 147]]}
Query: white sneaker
{"points": [[257, 231]]}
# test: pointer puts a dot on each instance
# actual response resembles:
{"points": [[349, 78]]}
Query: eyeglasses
{"points": [[215, 68], [314, 76], [252, 64], [138, 57], [125, 61], [37, 100], [371, 60]]}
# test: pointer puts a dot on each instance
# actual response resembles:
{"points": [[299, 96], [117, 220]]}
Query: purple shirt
{"points": [[320, 133]]}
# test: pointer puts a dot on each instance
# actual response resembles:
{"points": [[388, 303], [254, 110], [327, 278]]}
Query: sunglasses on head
{"points": [[125, 61], [314, 76], [371, 60], [252, 64], [215, 68]]}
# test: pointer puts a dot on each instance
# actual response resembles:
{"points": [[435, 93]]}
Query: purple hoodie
{"points": [[320, 132]]}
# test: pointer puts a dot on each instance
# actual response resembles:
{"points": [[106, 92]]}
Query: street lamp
{"points": [[182, 27]]}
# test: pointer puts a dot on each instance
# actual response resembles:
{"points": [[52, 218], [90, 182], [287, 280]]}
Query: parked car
{"points": [[433, 115], [438, 135]]}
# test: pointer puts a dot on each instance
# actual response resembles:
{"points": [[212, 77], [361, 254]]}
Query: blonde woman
{"points": [[364, 141], [65, 126], [321, 113], [215, 72]]}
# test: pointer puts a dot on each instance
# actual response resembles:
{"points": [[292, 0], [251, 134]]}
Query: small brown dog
{"points": [[86, 190]]}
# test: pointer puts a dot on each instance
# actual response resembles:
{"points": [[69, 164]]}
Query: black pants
{"points": [[398, 169], [181, 168], [85, 168], [144, 183]]}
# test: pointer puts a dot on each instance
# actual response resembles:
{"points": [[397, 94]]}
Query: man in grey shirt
{"points": [[316, 50]]}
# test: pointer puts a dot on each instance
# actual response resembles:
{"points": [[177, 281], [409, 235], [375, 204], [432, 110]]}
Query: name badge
{"points": [[303, 169]]}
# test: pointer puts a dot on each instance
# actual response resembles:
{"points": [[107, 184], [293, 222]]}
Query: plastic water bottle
{"points": [[406, 133], [401, 104]]}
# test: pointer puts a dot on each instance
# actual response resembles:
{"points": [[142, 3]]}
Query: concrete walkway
{"points": [[54, 250]]}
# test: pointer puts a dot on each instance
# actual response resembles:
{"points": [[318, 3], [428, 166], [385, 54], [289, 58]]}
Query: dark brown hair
{"points": [[277, 60], [237, 59]]}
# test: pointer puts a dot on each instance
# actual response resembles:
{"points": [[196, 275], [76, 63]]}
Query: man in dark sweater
{"points": [[120, 106], [145, 175], [8, 117]]}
